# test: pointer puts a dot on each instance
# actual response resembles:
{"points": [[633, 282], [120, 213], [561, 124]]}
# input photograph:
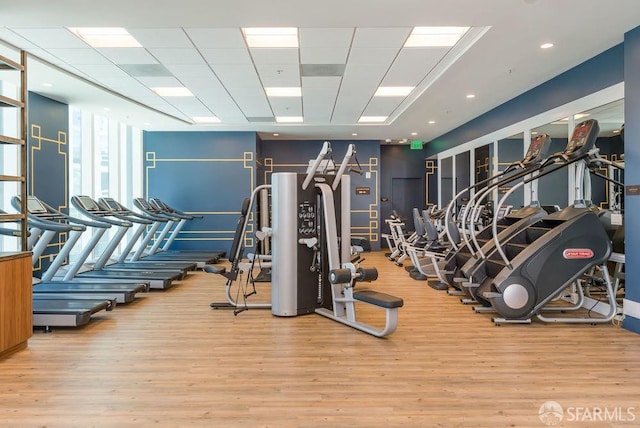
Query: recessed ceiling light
{"points": [[422, 37], [179, 91], [47, 85], [206, 119], [294, 91], [616, 131], [106, 108], [431, 122], [470, 96], [546, 45], [265, 37], [147, 123], [372, 119], [276, 135], [355, 134], [534, 132], [289, 119], [580, 116], [393, 91], [413, 134], [106, 37]]}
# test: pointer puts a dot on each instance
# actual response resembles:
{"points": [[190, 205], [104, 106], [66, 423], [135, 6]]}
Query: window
{"points": [[105, 159]]}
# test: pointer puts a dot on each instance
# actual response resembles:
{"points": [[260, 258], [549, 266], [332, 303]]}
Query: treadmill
{"points": [[45, 223], [167, 220], [60, 311], [87, 206], [120, 211]]}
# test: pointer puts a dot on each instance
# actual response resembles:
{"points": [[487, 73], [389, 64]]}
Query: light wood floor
{"points": [[169, 360]]}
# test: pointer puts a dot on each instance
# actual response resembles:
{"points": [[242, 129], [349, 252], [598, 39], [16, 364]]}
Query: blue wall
{"points": [[203, 173], [591, 76], [632, 175], [294, 156], [47, 160]]}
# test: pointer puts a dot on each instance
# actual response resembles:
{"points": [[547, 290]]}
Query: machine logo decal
{"points": [[577, 253]]}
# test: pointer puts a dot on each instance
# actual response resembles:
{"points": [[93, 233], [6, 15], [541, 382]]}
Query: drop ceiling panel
{"points": [[279, 74], [160, 81], [412, 65], [216, 38], [99, 71], [51, 37], [380, 37], [237, 75], [205, 85], [184, 72], [128, 55], [275, 56], [286, 106], [364, 76], [382, 106], [324, 55], [80, 56], [254, 106], [372, 55], [177, 56], [319, 97], [128, 87], [325, 45], [226, 56], [161, 37], [14, 39]]}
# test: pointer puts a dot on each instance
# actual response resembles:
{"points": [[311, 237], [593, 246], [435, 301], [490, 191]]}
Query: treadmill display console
{"points": [[111, 204], [583, 138], [144, 204], [87, 203], [537, 149], [34, 206], [160, 204]]}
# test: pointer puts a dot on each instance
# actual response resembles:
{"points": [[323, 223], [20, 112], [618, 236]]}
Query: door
{"points": [[407, 194]]}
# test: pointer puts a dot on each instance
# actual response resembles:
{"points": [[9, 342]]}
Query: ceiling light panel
{"points": [[206, 120], [372, 119], [283, 91], [172, 91], [435, 36], [393, 91], [368, 55], [271, 37], [106, 37], [289, 119]]}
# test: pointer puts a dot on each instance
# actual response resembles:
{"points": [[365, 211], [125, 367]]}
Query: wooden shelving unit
{"points": [[15, 267]]}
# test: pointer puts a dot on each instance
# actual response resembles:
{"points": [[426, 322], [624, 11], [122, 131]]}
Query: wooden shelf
{"points": [[7, 64], [10, 140], [11, 217], [10, 102], [12, 178]]}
